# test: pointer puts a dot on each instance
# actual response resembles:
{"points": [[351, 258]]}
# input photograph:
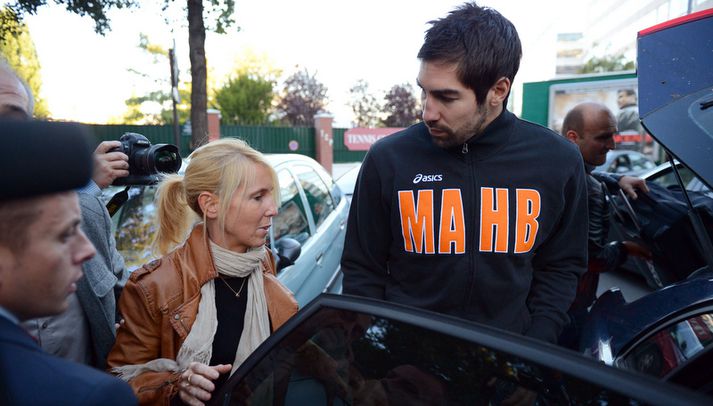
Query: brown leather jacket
{"points": [[159, 305]]}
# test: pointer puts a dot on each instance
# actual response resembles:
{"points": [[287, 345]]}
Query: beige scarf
{"points": [[198, 345]]}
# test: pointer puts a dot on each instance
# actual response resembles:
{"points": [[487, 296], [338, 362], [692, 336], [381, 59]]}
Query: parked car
{"points": [[343, 350], [668, 333], [626, 162], [347, 181], [311, 222]]}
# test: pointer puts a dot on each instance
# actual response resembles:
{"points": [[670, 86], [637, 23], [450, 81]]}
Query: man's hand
{"points": [[629, 184], [109, 165]]}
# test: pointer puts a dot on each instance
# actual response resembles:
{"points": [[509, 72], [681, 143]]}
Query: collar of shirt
{"points": [[6, 314], [91, 188]]}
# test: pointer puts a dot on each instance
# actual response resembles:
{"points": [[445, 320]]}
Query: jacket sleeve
{"points": [[368, 238], [559, 262], [138, 341]]}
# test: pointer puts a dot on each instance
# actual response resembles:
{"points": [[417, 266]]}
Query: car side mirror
{"points": [[286, 251]]}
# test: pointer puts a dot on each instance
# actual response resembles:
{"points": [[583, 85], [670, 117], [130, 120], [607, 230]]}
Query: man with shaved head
{"points": [[591, 126]]}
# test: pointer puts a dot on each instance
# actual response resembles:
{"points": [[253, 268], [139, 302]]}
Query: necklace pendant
{"points": [[237, 294]]}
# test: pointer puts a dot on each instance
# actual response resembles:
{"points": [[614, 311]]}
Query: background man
{"points": [[472, 212], [42, 249], [85, 332], [591, 126], [628, 117]]}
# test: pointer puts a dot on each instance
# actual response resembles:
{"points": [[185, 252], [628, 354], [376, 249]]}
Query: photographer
{"points": [[84, 332]]}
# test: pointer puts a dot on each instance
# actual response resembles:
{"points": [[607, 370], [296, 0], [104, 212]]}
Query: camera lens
{"points": [[166, 161]]}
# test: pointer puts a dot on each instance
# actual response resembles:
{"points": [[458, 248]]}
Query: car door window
{"points": [[136, 227], [317, 192], [291, 220], [671, 347], [344, 357]]}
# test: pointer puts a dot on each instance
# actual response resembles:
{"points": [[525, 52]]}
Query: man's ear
{"points": [[209, 203], [499, 92], [571, 135]]}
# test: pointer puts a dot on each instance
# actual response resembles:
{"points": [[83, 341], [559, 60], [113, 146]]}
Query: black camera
{"points": [[146, 161]]}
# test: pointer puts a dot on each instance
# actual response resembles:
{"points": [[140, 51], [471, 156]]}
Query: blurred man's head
{"points": [[42, 249], [15, 98], [626, 97], [592, 127]]}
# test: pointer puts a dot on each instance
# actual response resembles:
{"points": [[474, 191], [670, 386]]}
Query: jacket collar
{"points": [[197, 251], [491, 140]]}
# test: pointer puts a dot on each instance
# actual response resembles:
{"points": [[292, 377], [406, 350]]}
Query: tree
{"points": [[607, 63], [364, 105], [400, 107], [221, 12], [18, 50], [245, 99], [302, 98], [155, 107]]}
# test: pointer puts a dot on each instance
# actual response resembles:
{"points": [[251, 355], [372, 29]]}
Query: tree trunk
{"points": [[199, 93]]}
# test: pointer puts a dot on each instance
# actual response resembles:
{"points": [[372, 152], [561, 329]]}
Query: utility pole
{"points": [[175, 96]]}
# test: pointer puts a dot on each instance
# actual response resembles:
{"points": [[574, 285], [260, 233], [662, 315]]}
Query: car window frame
{"points": [[656, 328], [637, 386]]}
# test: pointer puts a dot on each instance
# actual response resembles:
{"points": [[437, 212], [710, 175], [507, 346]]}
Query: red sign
{"points": [[360, 139]]}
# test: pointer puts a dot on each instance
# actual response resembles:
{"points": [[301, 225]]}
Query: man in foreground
{"points": [[473, 212], [42, 249]]}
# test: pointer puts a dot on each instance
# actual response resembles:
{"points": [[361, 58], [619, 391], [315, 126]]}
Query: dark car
{"points": [[343, 350], [626, 162], [307, 235], [668, 334]]}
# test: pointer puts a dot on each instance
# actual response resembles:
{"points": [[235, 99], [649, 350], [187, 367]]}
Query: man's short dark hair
{"points": [[573, 121], [484, 44], [16, 216], [629, 92]]}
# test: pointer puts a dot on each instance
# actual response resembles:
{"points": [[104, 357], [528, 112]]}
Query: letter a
{"points": [[452, 229]]}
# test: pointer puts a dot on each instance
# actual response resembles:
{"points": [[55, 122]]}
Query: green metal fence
{"points": [[299, 140], [341, 153], [274, 140]]}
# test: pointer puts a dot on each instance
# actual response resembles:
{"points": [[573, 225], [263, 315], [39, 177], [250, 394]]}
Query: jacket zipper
{"points": [[471, 253]]}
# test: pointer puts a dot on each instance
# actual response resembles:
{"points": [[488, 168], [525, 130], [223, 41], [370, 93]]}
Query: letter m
{"points": [[417, 221]]}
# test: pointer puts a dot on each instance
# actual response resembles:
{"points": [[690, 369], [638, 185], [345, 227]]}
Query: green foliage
{"points": [[364, 105], [18, 50], [96, 9], [155, 107], [400, 107], [245, 99], [302, 98], [608, 63]]}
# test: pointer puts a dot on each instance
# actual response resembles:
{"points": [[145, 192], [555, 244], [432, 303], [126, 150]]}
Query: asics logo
{"points": [[427, 178]]}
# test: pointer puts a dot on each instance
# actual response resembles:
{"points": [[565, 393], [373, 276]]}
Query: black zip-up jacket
{"points": [[493, 231]]}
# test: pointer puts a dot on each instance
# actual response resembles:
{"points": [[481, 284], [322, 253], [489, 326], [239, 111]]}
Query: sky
{"points": [[86, 77]]}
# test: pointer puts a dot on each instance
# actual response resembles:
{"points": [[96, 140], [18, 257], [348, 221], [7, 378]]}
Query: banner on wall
{"points": [[361, 138]]}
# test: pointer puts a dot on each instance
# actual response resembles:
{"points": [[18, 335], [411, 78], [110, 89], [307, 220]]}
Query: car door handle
{"points": [[320, 257], [342, 224]]}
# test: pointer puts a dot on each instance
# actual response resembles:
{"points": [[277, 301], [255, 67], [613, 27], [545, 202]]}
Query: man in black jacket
{"points": [[591, 126], [473, 212]]}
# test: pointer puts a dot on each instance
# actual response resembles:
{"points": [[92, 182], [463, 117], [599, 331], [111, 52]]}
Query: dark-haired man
{"points": [[85, 332], [42, 249], [472, 212]]}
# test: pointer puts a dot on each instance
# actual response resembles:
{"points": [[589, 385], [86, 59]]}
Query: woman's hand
{"points": [[196, 382]]}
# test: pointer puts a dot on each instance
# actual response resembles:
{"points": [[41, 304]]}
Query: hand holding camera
{"points": [[145, 161], [109, 163]]}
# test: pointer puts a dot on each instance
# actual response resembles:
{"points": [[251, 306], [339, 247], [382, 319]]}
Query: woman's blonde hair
{"points": [[220, 167]]}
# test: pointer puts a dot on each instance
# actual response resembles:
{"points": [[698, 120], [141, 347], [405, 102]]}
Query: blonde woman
{"points": [[195, 314]]}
